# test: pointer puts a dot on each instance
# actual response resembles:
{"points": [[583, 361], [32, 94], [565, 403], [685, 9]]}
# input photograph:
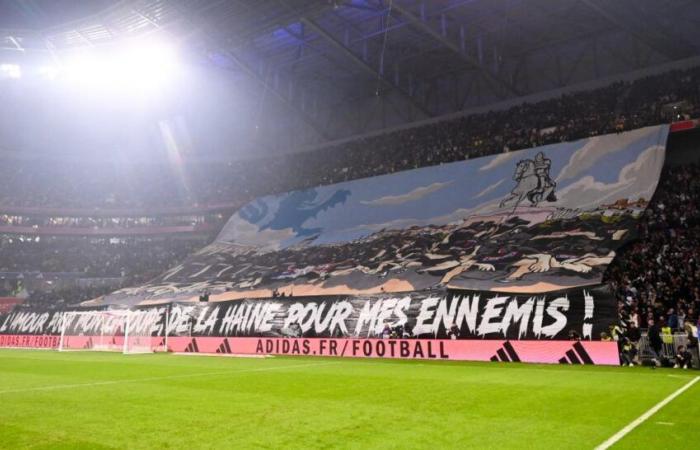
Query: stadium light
{"points": [[136, 66], [49, 72], [153, 63], [10, 71]]}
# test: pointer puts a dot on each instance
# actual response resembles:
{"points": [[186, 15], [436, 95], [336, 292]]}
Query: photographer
{"points": [[683, 358], [453, 332]]}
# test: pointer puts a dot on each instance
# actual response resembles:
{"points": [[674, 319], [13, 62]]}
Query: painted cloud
{"points": [[412, 196]]}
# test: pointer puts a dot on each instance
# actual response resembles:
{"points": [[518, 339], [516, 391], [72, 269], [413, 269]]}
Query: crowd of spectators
{"points": [[66, 296], [137, 259], [657, 278], [94, 222], [619, 106]]}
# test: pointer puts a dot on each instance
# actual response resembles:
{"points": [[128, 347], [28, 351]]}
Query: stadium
{"points": [[349, 224]]}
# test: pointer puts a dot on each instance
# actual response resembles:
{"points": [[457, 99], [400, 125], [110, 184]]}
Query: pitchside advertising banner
{"points": [[442, 325]]}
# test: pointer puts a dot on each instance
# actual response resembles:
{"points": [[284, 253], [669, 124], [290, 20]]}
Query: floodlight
{"points": [[85, 69], [149, 65], [134, 66], [49, 72], [10, 71]]}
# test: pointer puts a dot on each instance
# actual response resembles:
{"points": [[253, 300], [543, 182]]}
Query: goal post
{"points": [[93, 331], [138, 339], [109, 330], [146, 331]]}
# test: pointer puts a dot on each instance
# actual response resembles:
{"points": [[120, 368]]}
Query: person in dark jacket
{"points": [[633, 334], [453, 332], [672, 319], [386, 332], [655, 341], [627, 352], [683, 358]]}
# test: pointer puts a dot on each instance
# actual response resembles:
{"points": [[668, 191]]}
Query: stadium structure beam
{"points": [[270, 88], [363, 65], [15, 43], [418, 23], [397, 23], [654, 38], [401, 24], [83, 37], [192, 18], [145, 17], [19, 40]]}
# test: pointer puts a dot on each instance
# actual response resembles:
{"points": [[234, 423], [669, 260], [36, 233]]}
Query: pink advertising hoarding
{"points": [[565, 352]]}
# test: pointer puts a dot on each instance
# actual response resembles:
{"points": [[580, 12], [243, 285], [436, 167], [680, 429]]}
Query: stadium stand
{"points": [[620, 106], [506, 190], [135, 258], [39, 194], [656, 278]]}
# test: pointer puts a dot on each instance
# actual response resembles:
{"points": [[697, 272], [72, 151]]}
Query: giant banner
{"points": [[534, 221], [457, 314], [556, 327], [429, 315]]}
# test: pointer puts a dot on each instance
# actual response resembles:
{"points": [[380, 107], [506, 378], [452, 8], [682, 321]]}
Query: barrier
{"points": [[49, 342], [668, 349], [563, 352], [549, 352]]}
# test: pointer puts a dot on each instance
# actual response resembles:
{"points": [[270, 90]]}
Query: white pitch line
{"points": [[639, 420], [167, 377]]}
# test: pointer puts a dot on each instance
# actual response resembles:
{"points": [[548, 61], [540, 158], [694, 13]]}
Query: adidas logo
{"points": [[88, 344], [506, 354], [192, 347], [224, 347], [577, 355]]}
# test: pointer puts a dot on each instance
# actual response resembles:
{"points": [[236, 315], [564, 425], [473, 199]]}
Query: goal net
{"points": [[110, 331]]}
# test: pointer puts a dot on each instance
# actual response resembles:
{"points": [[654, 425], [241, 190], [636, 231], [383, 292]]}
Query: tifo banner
{"points": [[50, 322], [457, 314], [535, 220], [586, 311]]}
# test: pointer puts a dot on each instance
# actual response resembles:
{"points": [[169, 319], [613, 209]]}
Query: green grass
{"points": [[101, 400]]}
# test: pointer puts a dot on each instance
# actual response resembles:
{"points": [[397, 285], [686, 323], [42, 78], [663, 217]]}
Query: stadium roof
{"points": [[345, 67]]}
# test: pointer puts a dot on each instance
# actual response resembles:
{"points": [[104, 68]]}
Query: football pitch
{"points": [[52, 400]]}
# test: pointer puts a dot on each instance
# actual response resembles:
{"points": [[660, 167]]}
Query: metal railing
{"points": [[668, 348]]}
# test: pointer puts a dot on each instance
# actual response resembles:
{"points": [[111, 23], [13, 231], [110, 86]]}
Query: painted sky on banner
{"points": [[589, 173]]}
